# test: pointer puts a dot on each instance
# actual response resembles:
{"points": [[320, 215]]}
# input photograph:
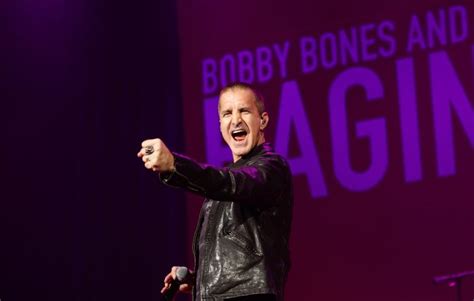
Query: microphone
{"points": [[181, 275]]}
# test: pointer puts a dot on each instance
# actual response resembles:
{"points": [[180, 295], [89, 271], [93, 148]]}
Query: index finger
{"points": [[169, 278], [148, 142]]}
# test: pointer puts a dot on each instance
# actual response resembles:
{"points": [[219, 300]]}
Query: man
{"points": [[241, 240]]}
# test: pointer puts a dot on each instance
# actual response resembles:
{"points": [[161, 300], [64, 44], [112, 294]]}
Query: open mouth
{"points": [[239, 135]]}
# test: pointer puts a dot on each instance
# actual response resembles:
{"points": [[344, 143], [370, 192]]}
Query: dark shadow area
{"points": [[82, 84]]}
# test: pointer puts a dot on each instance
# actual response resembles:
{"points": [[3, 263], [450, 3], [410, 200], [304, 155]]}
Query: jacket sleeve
{"points": [[259, 183]]}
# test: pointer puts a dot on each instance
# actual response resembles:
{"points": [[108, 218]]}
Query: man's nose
{"points": [[236, 119]]}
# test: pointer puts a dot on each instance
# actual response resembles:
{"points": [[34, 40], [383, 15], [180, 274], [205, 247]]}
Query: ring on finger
{"points": [[149, 149]]}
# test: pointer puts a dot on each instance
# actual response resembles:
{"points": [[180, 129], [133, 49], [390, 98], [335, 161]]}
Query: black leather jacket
{"points": [[241, 240]]}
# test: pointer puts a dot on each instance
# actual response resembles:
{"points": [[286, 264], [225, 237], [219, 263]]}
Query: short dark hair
{"points": [[259, 100]]}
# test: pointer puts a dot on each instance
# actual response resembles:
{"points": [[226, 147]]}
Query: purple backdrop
{"points": [[372, 103]]}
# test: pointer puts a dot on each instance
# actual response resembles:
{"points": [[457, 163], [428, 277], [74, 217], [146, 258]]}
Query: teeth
{"points": [[238, 132]]}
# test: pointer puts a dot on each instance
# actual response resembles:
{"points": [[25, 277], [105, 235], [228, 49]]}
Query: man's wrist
{"points": [[166, 175]]}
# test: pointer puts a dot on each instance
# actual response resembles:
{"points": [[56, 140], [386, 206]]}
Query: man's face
{"points": [[241, 123]]}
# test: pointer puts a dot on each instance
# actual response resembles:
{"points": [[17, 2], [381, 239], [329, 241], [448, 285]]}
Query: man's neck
{"points": [[237, 158]]}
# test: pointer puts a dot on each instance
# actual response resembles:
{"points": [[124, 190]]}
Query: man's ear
{"points": [[264, 118]]}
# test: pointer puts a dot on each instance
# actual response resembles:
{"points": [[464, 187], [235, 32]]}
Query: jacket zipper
{"points": [[212, 213]]}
